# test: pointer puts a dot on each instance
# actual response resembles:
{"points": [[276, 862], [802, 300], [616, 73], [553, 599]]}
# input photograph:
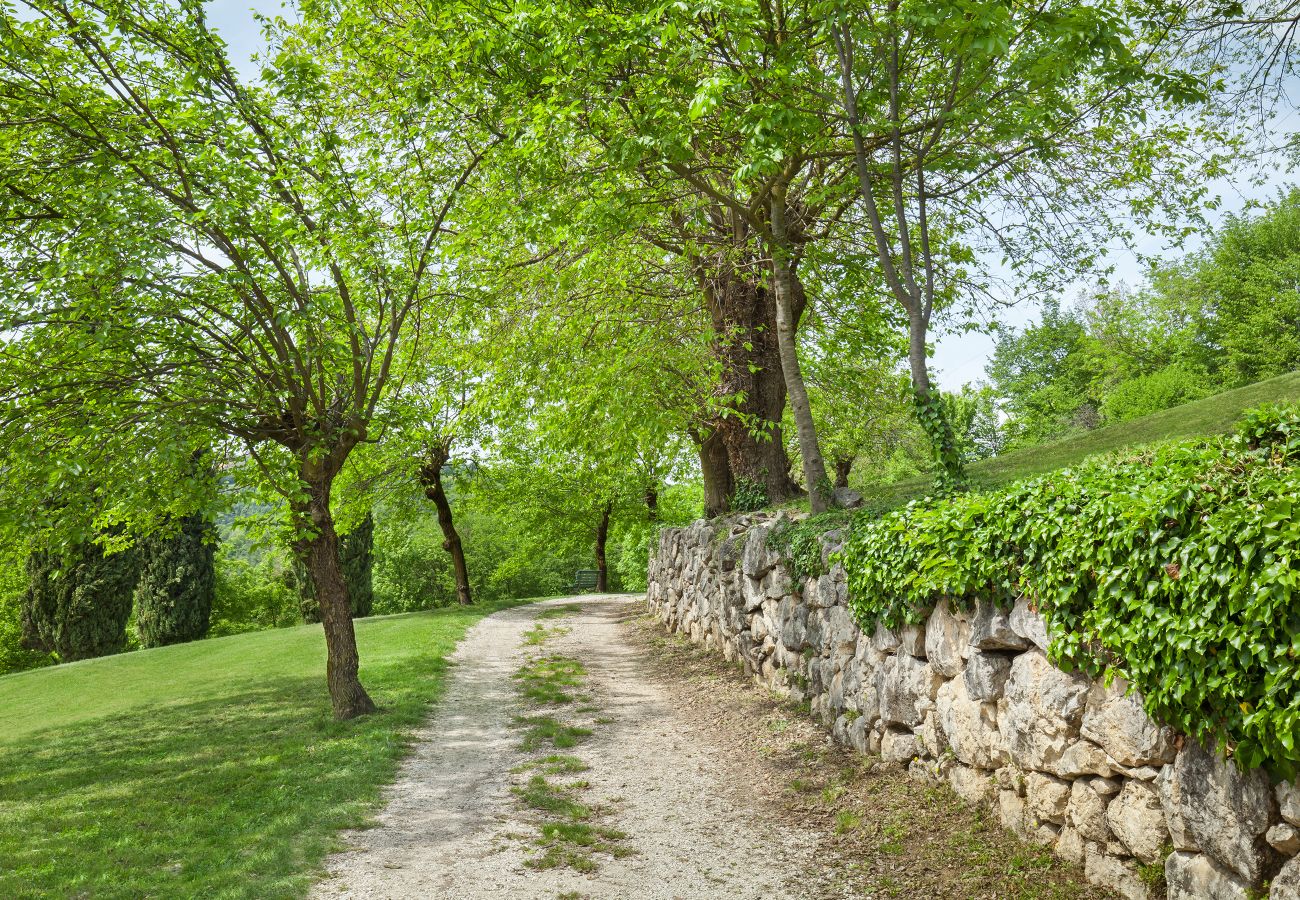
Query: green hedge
{"points": [[1176, 568]]}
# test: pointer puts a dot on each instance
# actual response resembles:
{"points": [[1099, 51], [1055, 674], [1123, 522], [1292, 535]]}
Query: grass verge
{"points": [[212, 769]]}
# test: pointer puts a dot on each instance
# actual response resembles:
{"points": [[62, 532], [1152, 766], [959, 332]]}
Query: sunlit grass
{"points": [[211, 769]]}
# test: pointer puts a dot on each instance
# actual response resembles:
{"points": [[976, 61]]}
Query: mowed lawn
{"points": [[1208, 417], [211, 769]]}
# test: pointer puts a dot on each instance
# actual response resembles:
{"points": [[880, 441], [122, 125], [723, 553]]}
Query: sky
{"points": [[959, 358]]}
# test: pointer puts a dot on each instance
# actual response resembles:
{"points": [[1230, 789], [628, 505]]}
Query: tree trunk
{"points": [[716, 469], [743, 311], [814, 467], [431, 478], [843, 465], [652, 503], [321, 554], [602, 535]]}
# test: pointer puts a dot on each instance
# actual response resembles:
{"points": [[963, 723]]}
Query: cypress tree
{"points": [[77, 604], [173, 599], [356, 555]]}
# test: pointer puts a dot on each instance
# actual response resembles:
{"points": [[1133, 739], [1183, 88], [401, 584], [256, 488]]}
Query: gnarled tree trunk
{"points": [[743, 311], [716, 470], [320, 553], [843, 465], [431, 478]]}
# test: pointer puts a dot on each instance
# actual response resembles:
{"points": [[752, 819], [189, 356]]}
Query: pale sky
{"points": [[959, 358]]}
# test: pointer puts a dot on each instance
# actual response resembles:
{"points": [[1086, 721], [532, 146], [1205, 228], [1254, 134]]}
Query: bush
{"points": [[251, 596], [77, 604], [1174, 568], [173, 598], [1164, 389]]}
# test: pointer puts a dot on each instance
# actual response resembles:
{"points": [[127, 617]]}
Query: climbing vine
{"points": [[1175, 567]]}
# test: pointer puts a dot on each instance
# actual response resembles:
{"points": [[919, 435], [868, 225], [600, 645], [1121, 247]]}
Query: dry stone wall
{"points": [[970, 698]]}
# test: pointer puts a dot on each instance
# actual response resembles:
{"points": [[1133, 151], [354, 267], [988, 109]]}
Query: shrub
{"points": [[173, 598], [1148, 394], [77, 604], [251, 596], [1174, 568]]}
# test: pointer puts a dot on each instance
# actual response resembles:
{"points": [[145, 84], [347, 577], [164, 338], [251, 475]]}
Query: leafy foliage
{"points": [[1173, 568], [78, 602], [173, 598]]}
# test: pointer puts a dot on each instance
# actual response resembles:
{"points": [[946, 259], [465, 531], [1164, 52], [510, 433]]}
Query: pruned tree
{"points": [[257, 260], [173, 596]]}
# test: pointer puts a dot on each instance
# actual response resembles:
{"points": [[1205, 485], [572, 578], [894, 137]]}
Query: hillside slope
{"points": [[1201, 418]]}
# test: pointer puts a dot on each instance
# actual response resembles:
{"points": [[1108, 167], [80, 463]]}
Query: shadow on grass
{"points": [[238, 796]]}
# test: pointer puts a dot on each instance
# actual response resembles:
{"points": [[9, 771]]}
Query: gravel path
{"points": [[452, 828]]}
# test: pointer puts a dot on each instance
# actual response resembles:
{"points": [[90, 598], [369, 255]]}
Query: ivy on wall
{"points": [[1175, 567]]}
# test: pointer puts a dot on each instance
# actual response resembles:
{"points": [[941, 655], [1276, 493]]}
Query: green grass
{"points": [[1202, 418], [211, 769]]}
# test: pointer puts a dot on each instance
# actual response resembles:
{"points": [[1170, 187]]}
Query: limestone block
{"points": [[991, 628], [969, 727], [900, 747], [911, 640], [906, 687], [884, 639], [1284, 838], [1138, 820], [1040, 710], [1116, 721], [1086, 811], [1212, 806], [1046, 797], [840, 634], [1288, 801], [1085, 758], [1028, 624], [986, 675], [1118, 875], [758, 560], [1070, 845], [1011, 811], [971, 784], [1286, 885], [947, 635], [1195, 876]]}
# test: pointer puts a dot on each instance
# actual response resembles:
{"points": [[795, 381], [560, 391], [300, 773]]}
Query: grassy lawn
{"points": [[210, 769], [1211, 416]]}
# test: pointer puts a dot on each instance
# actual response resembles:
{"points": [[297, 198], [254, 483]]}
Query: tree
{"points": [[1096, 119], [78, 601], [256, 261], [356, 558], [173, 596]]}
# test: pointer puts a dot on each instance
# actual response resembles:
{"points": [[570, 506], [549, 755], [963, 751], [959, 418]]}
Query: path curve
{"points": [[451, 827]]}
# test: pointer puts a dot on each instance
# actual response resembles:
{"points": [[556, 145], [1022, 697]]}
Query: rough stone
{"points": [[1086, 811], [972, 785], [1084, 758], [911, 640], [899, 746], [1107, 787], [1011, 810], [1286, 884], [793, 617], [846, 498], [1138, 820], [1118, 875], [991, 629], [1284, 838], [986, 675], [1116, 721], [884, 639], [970, 727], [1039, 712], [1212, 806], [947, 635], [758, 560], [1028, 624], [1194, 876], [1046, 797], [1070, 845], [1288, 801], [907, 687], [840, 636]]}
